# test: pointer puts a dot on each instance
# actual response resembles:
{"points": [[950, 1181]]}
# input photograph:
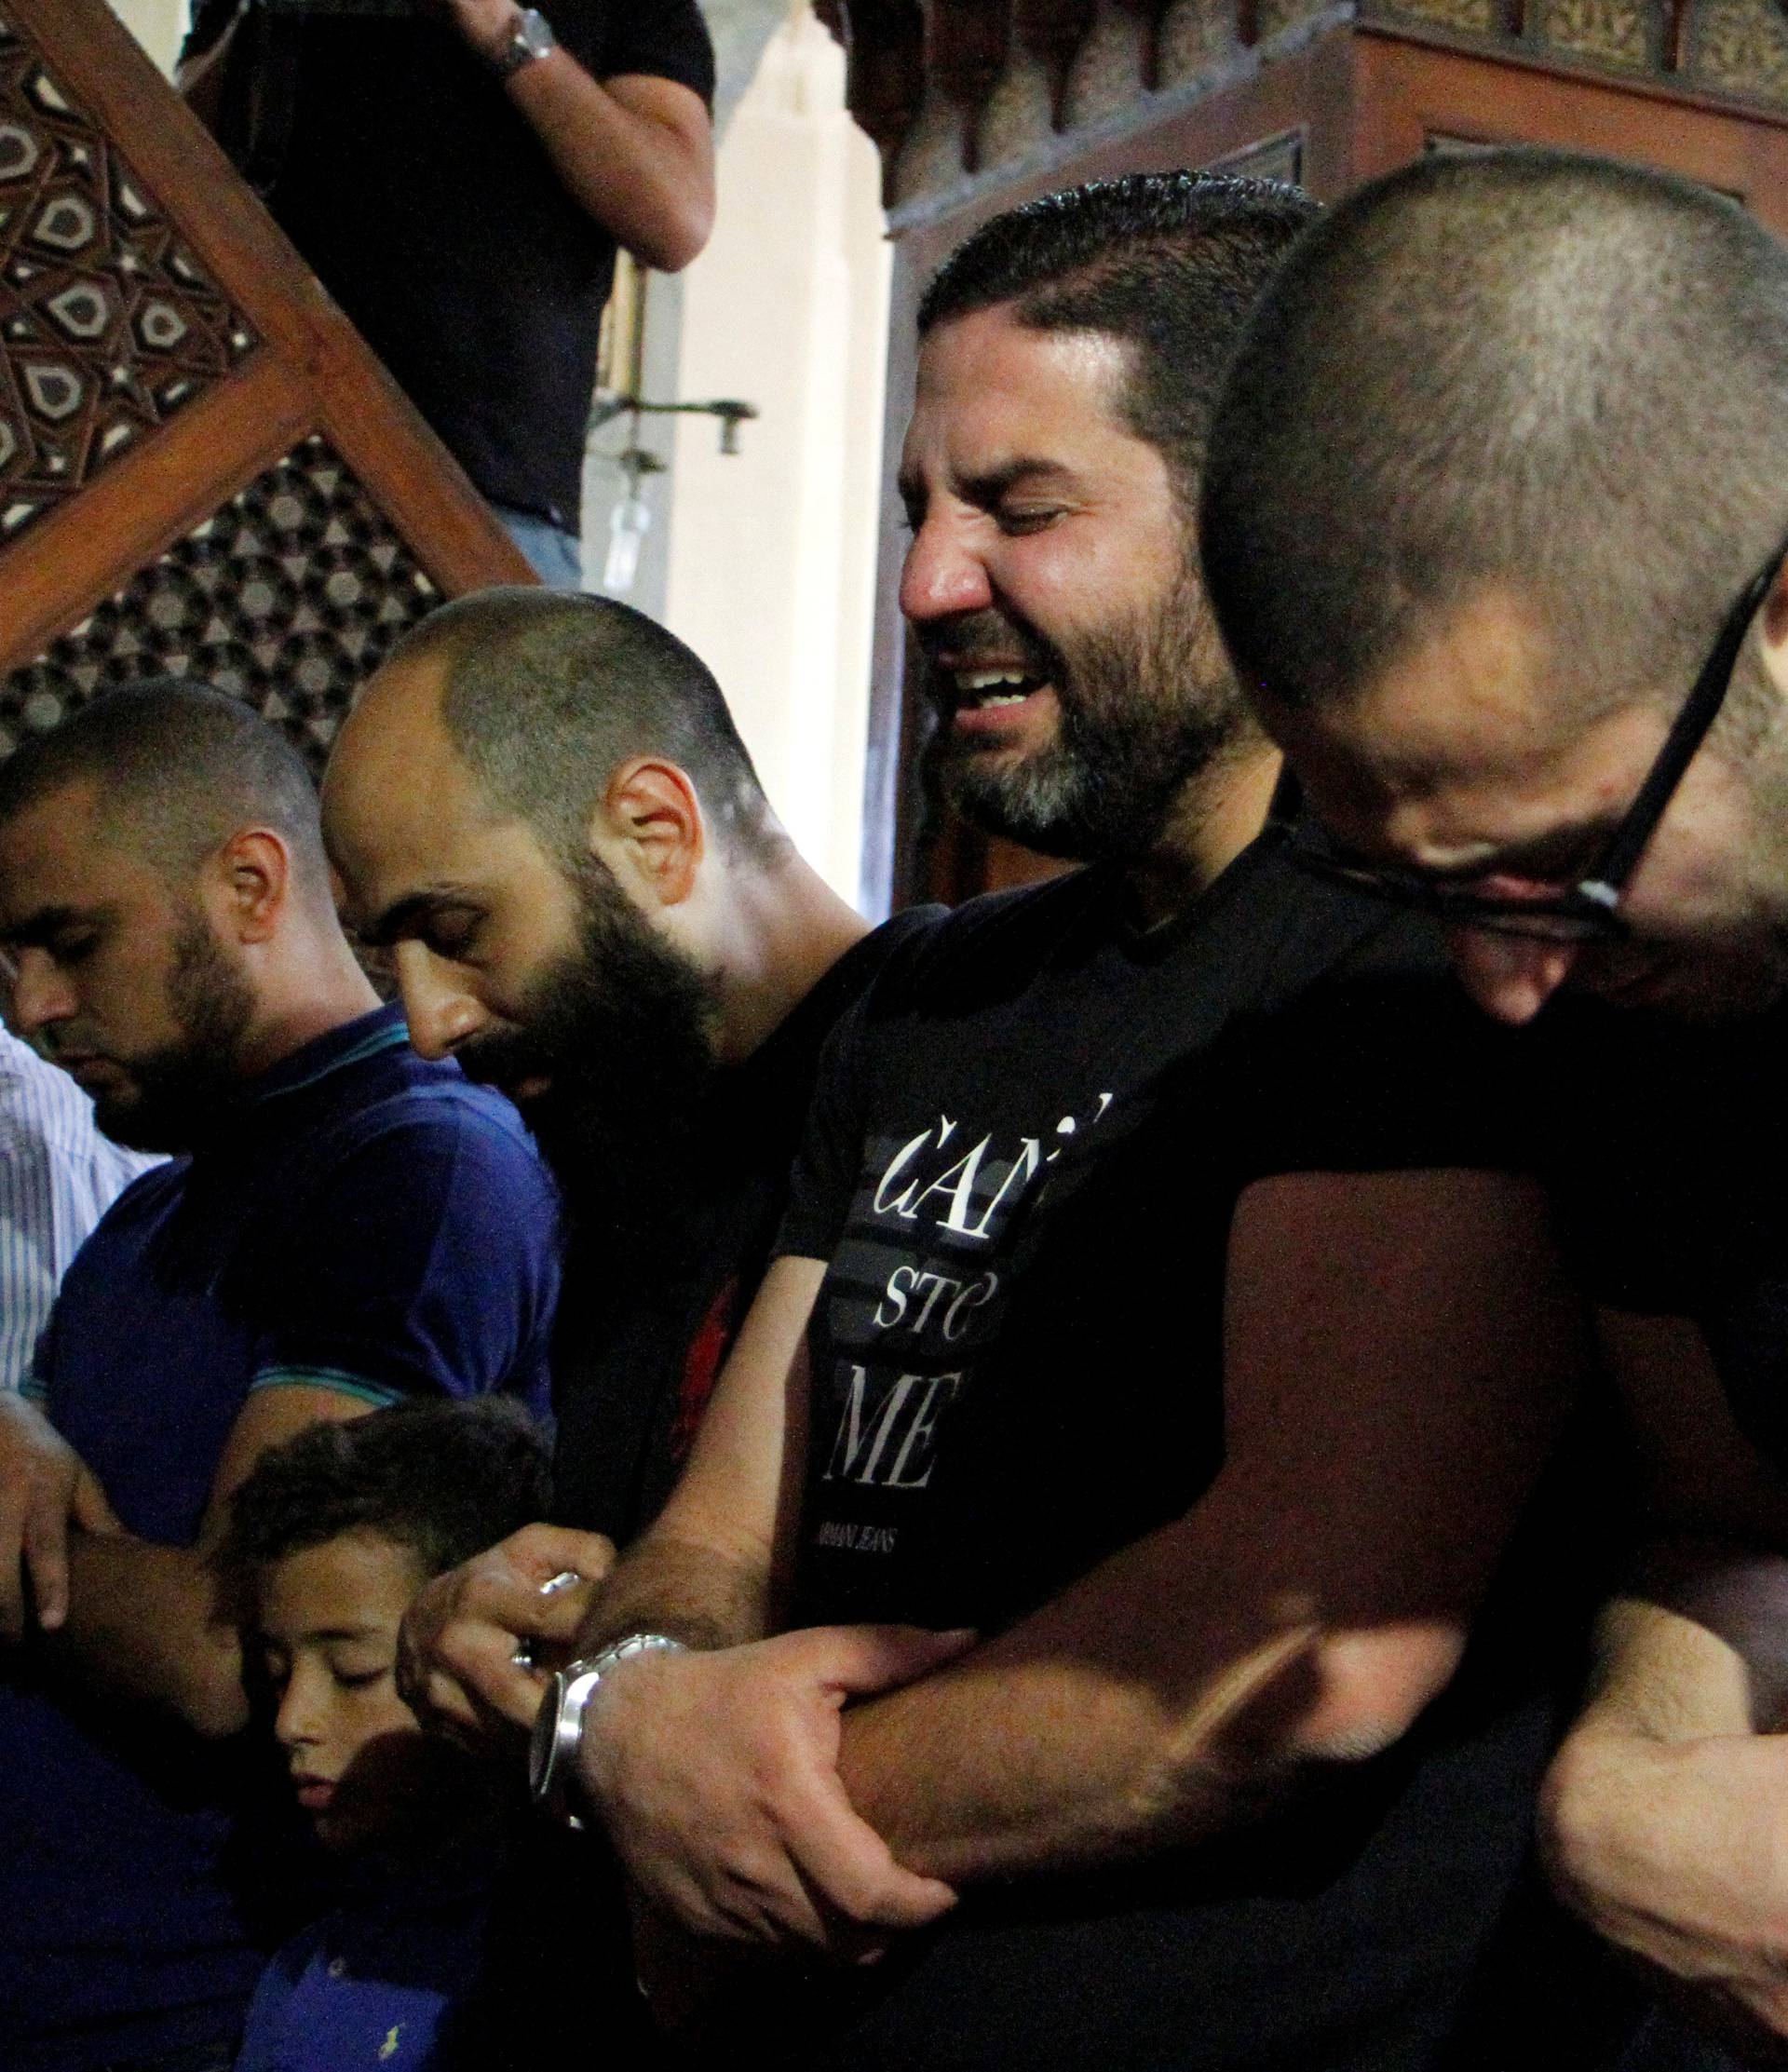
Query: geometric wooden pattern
{"points": [[203, 469], [107, 323], [287, 598]]}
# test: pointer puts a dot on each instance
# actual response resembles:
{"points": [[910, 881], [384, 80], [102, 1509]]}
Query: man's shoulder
{"points": [[428, 1134], [125, 1227], [993, 938], [407, 1133], [424, 1098]]}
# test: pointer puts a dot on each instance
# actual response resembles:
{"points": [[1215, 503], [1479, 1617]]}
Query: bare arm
{"points": [[149, 1623], [1399, 1348], [636, 152], [707, 1570], [1664, 1811], [684, 1756]]}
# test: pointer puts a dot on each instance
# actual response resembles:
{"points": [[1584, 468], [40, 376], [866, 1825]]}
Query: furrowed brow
{"points": [[987, 488]]}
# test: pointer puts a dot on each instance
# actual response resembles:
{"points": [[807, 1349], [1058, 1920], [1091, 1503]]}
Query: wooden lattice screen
{"points": [[203, 470]]}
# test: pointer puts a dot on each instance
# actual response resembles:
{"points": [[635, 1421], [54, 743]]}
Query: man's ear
{"points": [[249, 883], [650, 831]]}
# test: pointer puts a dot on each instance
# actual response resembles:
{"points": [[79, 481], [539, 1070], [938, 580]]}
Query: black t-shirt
{"points": [[634, 1368], [392, 157], [1025, 1151], [1670, 1143]]}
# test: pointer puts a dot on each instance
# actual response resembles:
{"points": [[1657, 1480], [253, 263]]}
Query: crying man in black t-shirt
{"points": [[1094, 1577]]}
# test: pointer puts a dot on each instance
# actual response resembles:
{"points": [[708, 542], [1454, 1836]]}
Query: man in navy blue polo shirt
{"points": [[351, 1224]]}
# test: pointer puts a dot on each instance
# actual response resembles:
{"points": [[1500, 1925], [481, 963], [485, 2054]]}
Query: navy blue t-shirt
{"points": [[363, 1221]]}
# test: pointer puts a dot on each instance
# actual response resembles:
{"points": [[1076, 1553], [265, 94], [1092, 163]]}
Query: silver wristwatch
{"points": [[532, 37], [558, 1724]]}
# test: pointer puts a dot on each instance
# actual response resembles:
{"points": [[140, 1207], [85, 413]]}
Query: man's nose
{"points": [[440, 1010], [40, 994], [942, 575], [1510, 976]]}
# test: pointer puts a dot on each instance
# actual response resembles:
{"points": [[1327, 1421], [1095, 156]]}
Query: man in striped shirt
{"points": [[59, 1174]]}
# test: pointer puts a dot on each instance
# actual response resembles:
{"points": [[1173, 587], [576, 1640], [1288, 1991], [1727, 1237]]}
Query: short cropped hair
{"points": [[547, 692], [1168, 263], [1525, 371], [178, 769], [444, 1479]]}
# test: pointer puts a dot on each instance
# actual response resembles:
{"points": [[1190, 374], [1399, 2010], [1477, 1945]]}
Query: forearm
{"points": [[642, 181], [1132, 1714], [145, 1623], [1690, 1673], [690, 1590], [1697, 1645]]}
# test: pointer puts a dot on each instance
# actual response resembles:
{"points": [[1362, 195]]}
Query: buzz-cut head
{"points": [[176, 768], [1524, 373], [545, 693]]}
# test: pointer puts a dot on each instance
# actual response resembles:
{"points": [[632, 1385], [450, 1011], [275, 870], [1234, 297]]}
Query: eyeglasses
{"points": [[1585, 912]]}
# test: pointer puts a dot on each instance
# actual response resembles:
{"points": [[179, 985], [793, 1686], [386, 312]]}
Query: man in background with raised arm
{"points": [[460, 174]]}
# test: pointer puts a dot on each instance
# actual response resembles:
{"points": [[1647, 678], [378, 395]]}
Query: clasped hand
{"points": [[458, 1669], [716, 1774]]}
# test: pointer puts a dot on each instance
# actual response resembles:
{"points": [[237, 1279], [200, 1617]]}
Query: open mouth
{"points": [[988, 700], [992, 690]]}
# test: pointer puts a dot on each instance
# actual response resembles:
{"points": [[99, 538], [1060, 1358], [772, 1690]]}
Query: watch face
{"points": [[545, 1737]]}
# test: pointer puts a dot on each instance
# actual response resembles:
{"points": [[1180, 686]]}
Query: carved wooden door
{"points": [[203, 470]]}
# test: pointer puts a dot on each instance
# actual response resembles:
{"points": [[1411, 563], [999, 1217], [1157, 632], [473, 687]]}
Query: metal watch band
{"points": [[531, 38], [558, 1724]]}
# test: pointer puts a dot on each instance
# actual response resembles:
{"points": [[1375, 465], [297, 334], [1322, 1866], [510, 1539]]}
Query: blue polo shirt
{"points": [[362, 1220], [373, 1987]]}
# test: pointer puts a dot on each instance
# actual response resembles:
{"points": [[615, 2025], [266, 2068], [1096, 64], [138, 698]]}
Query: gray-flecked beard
{"points": [[1147, 707]]}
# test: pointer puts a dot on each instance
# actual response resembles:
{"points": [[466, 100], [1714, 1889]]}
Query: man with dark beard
{"points": [[350, 1224], [1151, 1322], [542, 808]]}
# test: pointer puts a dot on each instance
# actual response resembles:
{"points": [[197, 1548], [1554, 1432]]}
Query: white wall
{"points": [[158, 24], [772, 551]]}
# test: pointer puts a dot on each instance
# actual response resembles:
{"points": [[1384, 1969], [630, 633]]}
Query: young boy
{"points": [[331, 1535]]}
